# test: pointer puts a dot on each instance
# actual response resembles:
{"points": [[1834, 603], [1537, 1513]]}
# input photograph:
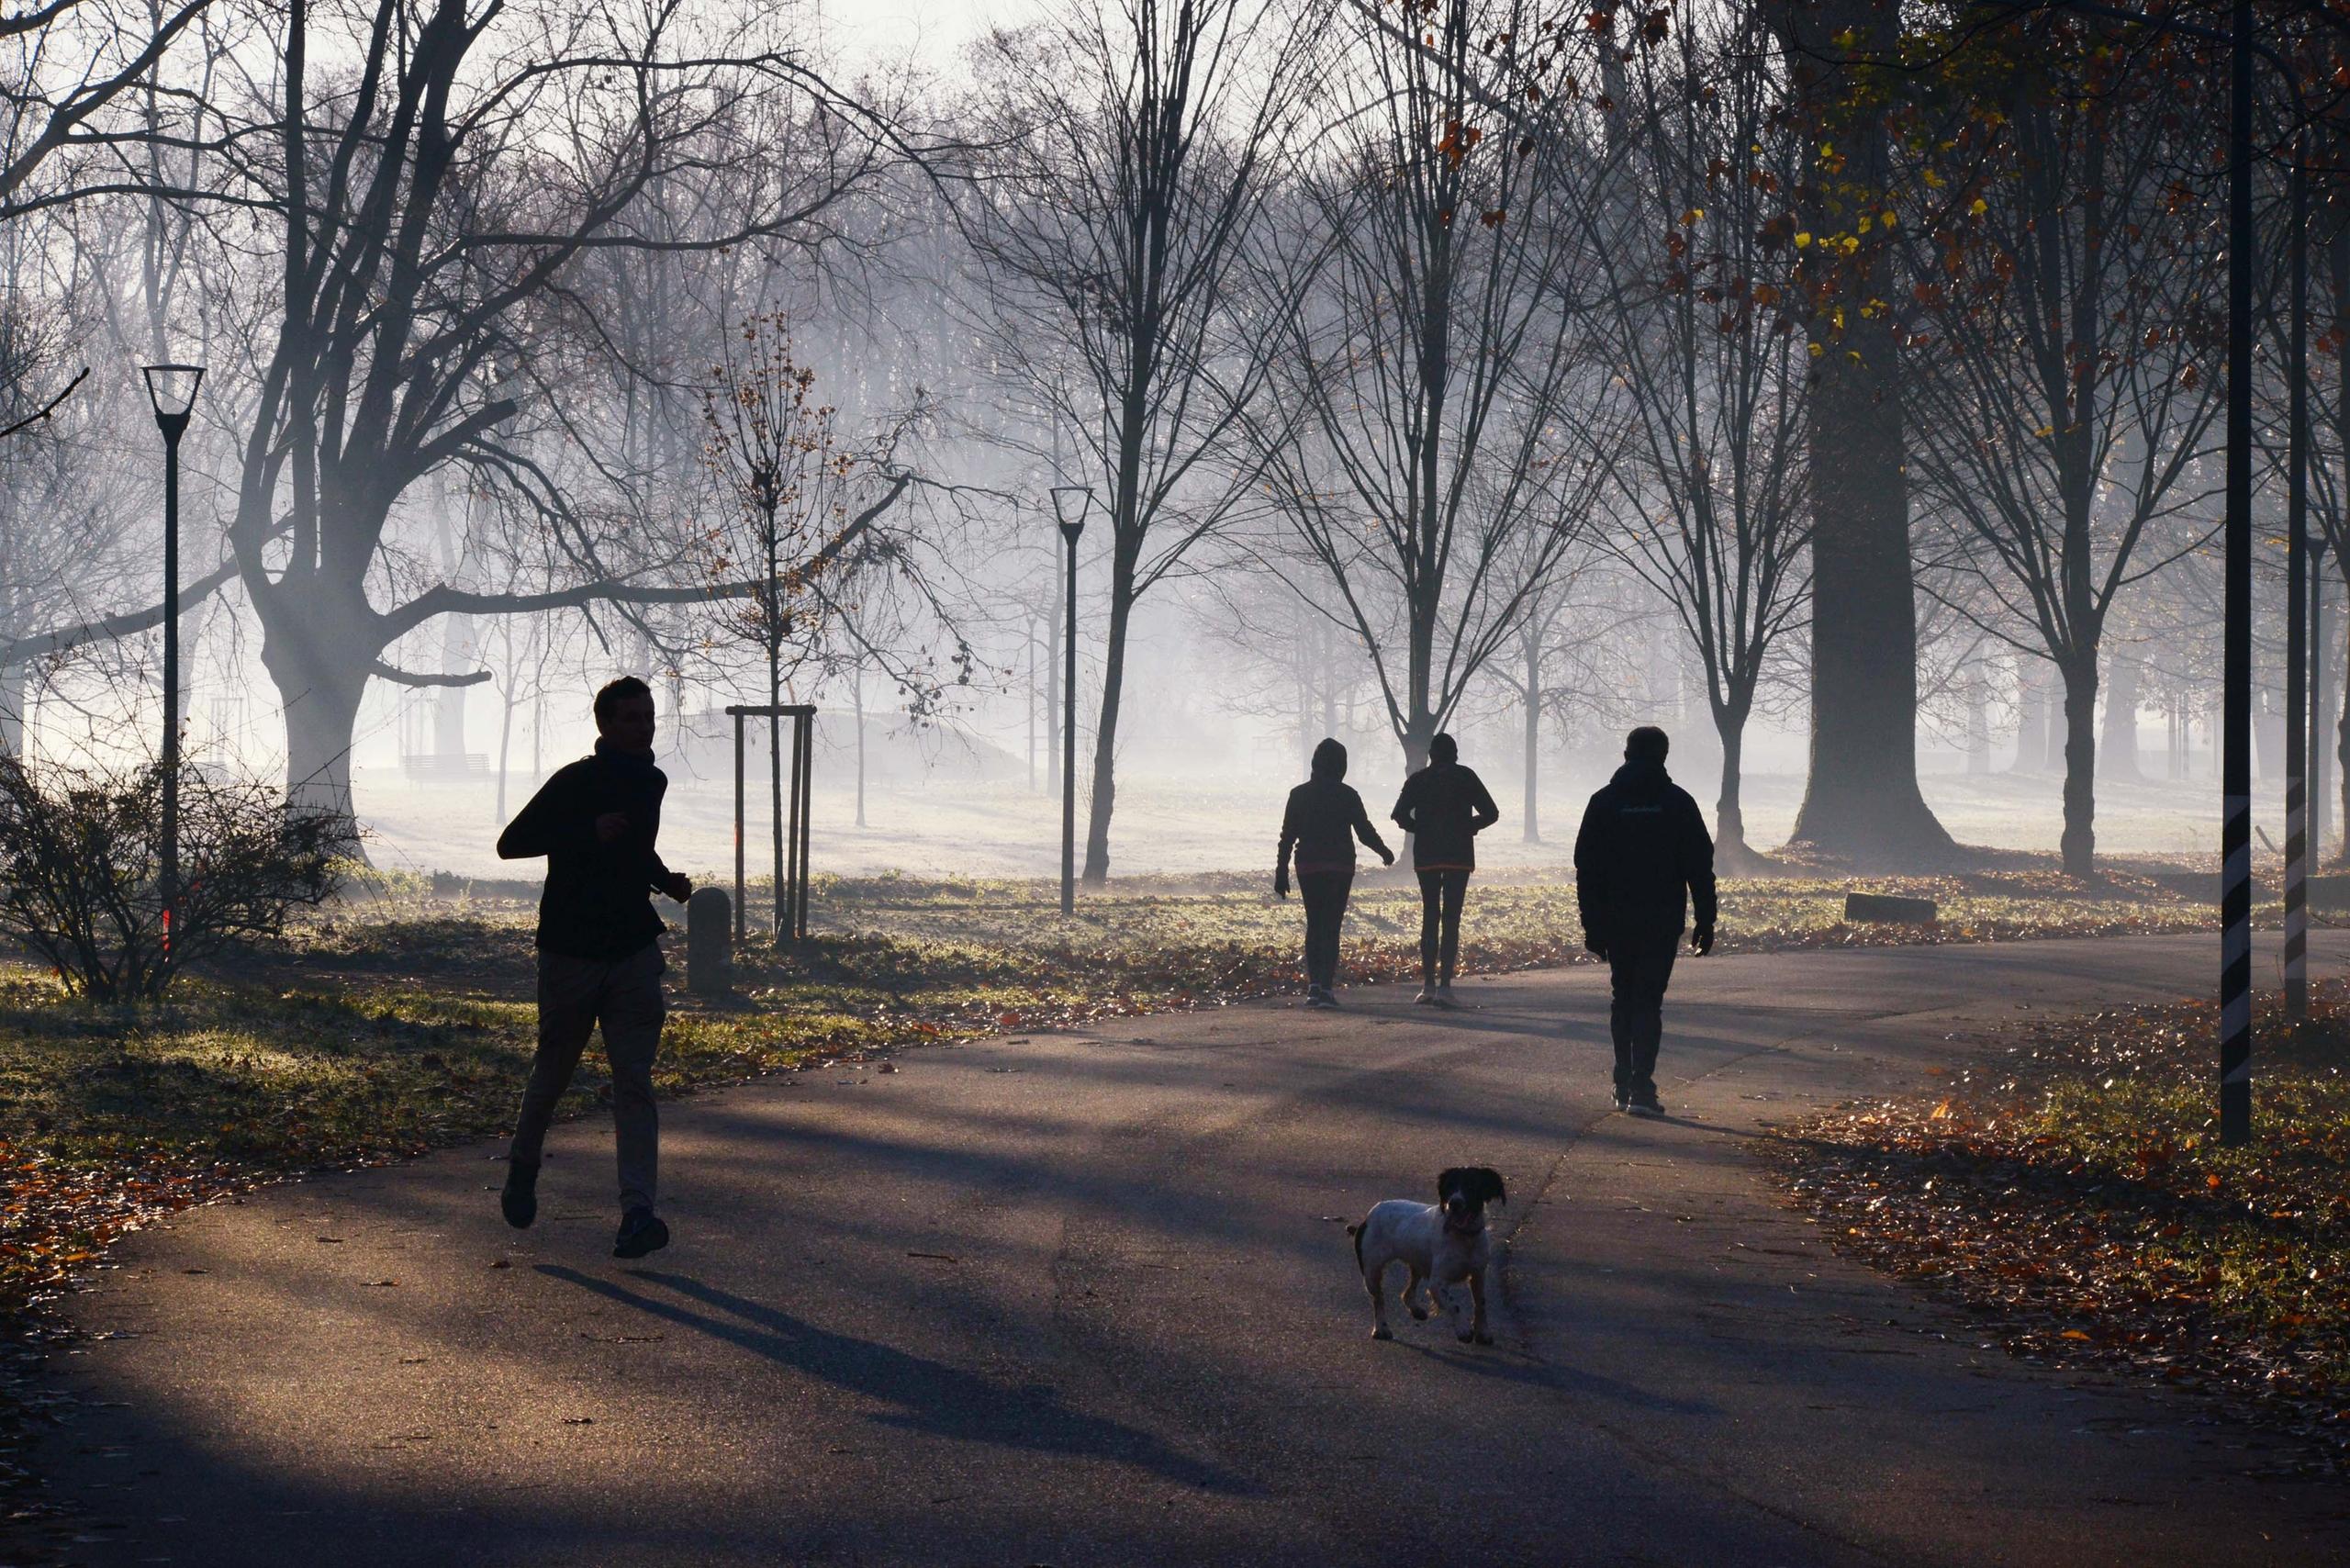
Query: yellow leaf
{"points": [[1803, 241], [1980, 207], [2072, 1334]]}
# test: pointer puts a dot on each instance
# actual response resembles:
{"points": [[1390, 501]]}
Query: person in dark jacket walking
{"points": [[599, 961], [1642, 858], [1444, 807], [1324, 818]]}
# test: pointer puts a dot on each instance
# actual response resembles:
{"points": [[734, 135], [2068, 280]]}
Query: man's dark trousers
{"points": [[1324, 894], [576, 995], [1442, 891], [1638, 970]]}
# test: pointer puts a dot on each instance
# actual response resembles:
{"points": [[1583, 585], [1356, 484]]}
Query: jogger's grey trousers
{"points": [[624, 996]]}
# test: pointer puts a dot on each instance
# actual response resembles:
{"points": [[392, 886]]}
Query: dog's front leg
{"points": [[1477, 1329], [1412, 1300], [1373, 1280]]}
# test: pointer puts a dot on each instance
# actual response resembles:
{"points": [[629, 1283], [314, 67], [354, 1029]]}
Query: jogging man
{"points": [[1324, 818], [1444, 807], [599, 961], [1641, 858]]}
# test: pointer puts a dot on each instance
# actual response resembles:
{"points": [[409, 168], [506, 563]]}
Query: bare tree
{"points": [[1713, 512], [421, 209], [1433, 445], [2063, 408], [1140, 142]]}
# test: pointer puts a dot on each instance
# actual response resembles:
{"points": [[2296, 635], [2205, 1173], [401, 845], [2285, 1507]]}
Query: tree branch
{"points": [[383, 671]]}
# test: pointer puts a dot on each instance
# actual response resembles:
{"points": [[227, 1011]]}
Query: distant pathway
{"points": [[1087, 1300]]}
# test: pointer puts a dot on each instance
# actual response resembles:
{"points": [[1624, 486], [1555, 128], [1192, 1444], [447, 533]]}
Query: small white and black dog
{"points": [[1443, 1242]]}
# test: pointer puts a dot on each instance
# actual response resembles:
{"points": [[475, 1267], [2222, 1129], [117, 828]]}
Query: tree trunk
{"points": [[13, 686], [2078, 845], [1533, 735], [505, 745], [1105, 729], [2032, 717], [1978, 724], [321, 693], [1730, 809], [1862, 798], [2118, 753], [857, 696]]}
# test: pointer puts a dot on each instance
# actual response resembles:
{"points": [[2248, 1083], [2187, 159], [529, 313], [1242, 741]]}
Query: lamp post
{"points": [[171, 388], [1071, 505]]}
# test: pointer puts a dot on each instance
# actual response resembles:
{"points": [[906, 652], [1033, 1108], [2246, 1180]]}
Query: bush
{"points": [[81, 863]]}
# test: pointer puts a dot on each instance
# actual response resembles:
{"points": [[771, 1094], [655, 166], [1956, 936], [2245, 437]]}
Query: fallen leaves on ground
{"points": [[2071, 1189]]}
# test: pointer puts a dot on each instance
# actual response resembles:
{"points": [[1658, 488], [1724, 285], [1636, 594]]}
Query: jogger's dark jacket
{"points": [[1444, 807], [1642, 857], [595, 903], [1322, 822]]}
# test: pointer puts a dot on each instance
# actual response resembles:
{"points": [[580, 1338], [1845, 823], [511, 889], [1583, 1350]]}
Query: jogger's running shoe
{"points": [[1623, 1100], [641, 1232], [519, 1199], [1444, 997], [1645, 1105], [1427, 997]]}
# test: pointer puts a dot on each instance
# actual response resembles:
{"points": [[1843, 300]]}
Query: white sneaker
{"points": [[1427, 997]]}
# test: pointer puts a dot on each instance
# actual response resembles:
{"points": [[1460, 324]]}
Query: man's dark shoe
{"points": [[519, 1199], [641, 1232], [1623, 1100], [1645, 1105]]}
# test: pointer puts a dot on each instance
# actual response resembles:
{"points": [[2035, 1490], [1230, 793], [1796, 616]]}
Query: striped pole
{"points": [[2297, 551], [2235, 785]]}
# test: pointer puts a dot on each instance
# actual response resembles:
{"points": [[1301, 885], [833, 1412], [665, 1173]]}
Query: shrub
{"points": [[81, 865]]}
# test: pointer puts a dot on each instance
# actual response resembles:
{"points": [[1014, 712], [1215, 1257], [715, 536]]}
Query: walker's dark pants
{"points": [[1324, 894], [1441, 893], [1638, 969], [575, 995]]}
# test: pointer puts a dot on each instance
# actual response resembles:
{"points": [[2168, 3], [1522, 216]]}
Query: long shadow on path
{"points": [[926, 1396]]}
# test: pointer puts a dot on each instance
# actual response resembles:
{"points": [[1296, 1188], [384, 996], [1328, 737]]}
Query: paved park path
{"points": [[1087, 1299]]}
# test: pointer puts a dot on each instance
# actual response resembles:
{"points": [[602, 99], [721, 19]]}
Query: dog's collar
{"points": [[1466, 1229]]}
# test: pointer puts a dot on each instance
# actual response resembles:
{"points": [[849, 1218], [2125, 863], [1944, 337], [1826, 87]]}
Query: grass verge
{"points": [[2071, 1192]]}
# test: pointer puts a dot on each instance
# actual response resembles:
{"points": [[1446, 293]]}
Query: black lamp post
{"points": [[1071, 505], [172, 389]]}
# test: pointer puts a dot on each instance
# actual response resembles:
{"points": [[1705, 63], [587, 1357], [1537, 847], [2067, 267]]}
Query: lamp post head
{"points": [[171, 388], [1071, 503]]}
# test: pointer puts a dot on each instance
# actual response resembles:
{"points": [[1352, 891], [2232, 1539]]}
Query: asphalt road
{"points": [[1087, 1299]]}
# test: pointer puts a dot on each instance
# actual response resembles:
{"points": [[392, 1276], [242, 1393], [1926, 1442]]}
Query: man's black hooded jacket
{"points": [[1643, 855]]}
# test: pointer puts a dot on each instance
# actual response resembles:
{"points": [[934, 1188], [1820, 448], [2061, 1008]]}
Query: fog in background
{"points": [[901, 213]]}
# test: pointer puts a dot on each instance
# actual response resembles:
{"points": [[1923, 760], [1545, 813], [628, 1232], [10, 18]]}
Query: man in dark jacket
{"points": [[1642, 857], [1324, 818], [1444, 807], [599, 961]]}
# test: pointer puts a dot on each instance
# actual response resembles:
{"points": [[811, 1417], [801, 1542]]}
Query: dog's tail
{"points": [[1356, 1231]]}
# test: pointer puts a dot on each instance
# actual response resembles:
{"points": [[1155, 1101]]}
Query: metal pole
{"points": [[739, 924], [1069, 734], [807, 810], [787, 893], [2235, 786], [2318, 798], [173, 428], [2296, 640]]}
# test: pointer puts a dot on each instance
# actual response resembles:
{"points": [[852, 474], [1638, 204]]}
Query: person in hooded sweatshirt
{"points": [[1642, 858], [1324, 818], [1444, 807]]}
